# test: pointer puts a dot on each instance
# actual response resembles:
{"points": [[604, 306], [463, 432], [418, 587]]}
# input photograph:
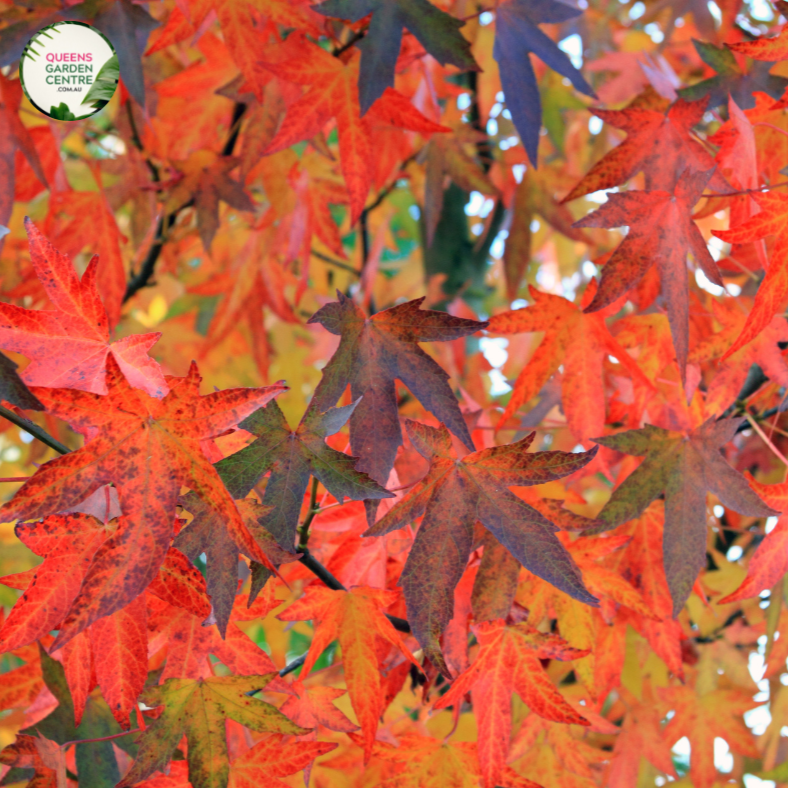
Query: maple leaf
{"points": [[127, 25], [580, 342], [68, 544], [770, 561], [658, 143], [198, 709], [13, 388], [13, 136], [423, 762], [147, 447], [731, 80], [373, 353], [683, 467], [69, 346], [206, 180], [661, 233], [454, 494], [773, 290], [702, 717], [207, 533], [517, 36], [189, 644], [333, 93], [356, 619], [272, 758], [507, 662], [313, 707], [641, 737], [79, 220], [731, 373], [292, 456], [437, 31]]}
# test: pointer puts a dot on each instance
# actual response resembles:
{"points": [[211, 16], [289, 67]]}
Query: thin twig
{"points": [[357, 36], [777, 453], [317, 569], [303, 529], [34, 430], [294, 665], [15, 478], [336, 263], [100, 738], [142, 279]]}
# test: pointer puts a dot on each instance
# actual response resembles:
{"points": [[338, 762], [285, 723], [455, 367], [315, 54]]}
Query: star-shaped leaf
{"points": [[661, 233], [437, 31], [452, 497], [148, 448], [292, 456], [68, 346], [517, 36], [373, 353], [198, 709], [508, 661], [682, 467]]}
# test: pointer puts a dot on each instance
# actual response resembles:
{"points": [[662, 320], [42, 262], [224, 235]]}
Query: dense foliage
{"points": [[343, 443]]}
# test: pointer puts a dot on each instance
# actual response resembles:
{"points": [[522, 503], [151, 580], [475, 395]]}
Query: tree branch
{"points": [[143, 277], [34, 430]]}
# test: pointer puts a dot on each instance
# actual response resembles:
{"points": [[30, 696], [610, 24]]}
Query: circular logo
{"points": [[69, 70]]}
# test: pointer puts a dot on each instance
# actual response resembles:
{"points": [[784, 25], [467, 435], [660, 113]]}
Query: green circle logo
{"points": [[69, 70]]}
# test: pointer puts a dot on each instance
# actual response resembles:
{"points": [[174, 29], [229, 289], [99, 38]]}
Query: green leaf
{"points": [[103, 87]]}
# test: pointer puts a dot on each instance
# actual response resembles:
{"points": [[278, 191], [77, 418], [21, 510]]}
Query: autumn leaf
{"points": [[333, 92], [730, 374], [13, 137], [574, 339], [659, 144], [661, 233], [437, 31], [206, 181], [773, 290], [373, 353], [682, 467], [509, 661], [770, 560], [315, 706], [533, 196], [198, 709], [147, 447], [25, 754], [517, 36], [731, 80], [272, 758], [454, 494], [292, 456], [69, 345], [704, 716], [84, 220], [356, 619], [208, 533]]}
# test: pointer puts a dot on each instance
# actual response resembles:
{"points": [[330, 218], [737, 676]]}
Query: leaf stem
{"points": [[100, 738], [34, 430]]}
